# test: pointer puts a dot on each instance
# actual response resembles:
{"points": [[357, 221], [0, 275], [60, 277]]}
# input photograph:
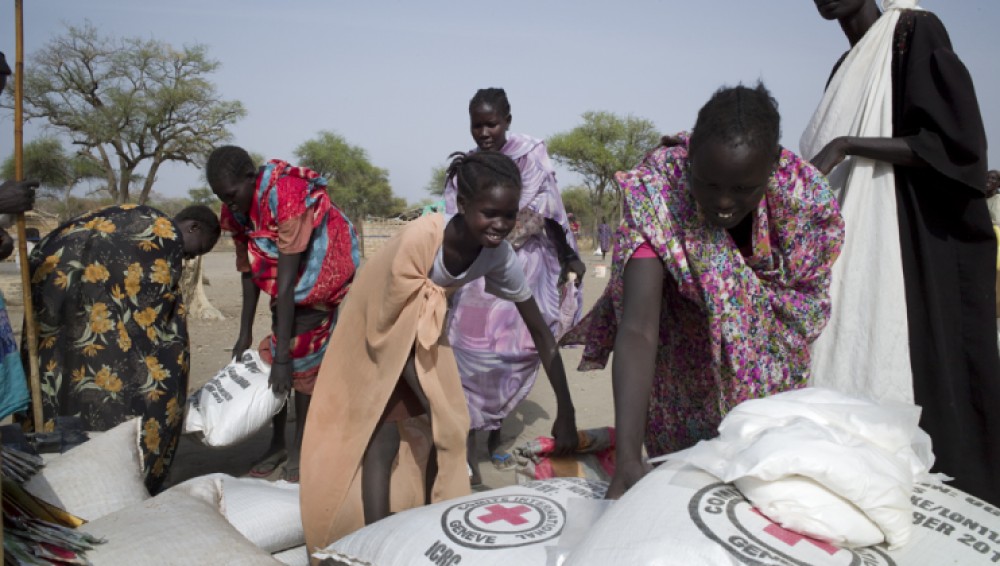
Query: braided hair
{"points": [[227, 165], [477, 171], [739, 115], [494, 97]]}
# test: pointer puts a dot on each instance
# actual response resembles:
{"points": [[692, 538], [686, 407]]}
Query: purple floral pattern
{"points": [[731, 327]]}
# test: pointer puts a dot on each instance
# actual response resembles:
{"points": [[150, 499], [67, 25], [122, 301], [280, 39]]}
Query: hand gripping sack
{"points": [[234, 404]]}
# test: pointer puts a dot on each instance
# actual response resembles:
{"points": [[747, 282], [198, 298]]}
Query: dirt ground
{"points": [[212, 341]]}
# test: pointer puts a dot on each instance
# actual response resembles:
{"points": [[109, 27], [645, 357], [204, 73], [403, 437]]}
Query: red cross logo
{"points": [[792, 538], [510, 514]]}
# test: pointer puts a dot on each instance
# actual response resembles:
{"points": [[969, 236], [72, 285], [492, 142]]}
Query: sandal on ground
{"points": [[503, 461], [269, 464], [291, 473]]}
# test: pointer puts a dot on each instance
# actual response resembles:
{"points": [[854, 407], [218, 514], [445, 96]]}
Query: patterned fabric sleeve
{"points": [[289, 199], [811, 229]]}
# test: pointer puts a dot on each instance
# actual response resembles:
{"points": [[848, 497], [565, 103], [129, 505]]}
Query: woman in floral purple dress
{"points": [[720, 279], [496, 355]]}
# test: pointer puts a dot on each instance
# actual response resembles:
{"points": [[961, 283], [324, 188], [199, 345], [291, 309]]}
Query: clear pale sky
{"points": [[395, 77]]}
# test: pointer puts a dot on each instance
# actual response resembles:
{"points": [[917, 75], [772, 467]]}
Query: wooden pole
{"points": [[29, 330]]}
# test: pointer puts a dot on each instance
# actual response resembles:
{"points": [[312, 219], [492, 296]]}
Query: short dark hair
{"points": [[495, 97], [228, 164], [739, 114], [480, 170], [205, 217]]}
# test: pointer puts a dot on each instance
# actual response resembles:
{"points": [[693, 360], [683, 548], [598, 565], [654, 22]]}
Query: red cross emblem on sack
{"points": [[792, 538], [512, 515]]}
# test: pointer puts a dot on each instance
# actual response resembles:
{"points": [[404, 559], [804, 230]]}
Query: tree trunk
{"points": [[109, 173], [147, 186], [193, 290]]}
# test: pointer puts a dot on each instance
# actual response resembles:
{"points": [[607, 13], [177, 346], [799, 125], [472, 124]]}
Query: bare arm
{"points": [[251, 293], [633, 367], [281, 369], [889, 150], [564, 427]]}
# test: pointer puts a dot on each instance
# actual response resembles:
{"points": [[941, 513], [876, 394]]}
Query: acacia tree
{"points": [[131, 104], [46, 161], [604, 144], [355, 185]]}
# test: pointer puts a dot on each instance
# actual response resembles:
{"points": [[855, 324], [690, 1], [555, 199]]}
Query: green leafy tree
{"points": [[439, 176], [604, 144], [130, 104], [356, 186], [45, 159], [205, 196], [579, 201]]}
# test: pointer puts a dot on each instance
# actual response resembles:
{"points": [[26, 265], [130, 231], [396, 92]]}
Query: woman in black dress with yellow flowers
{"points": [[113, 339]]}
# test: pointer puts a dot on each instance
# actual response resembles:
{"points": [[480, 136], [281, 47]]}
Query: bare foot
{"points": [[475, 478], [291, 473]]}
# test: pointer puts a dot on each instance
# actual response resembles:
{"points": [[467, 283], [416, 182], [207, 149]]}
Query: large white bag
{"points": [[234, 404], [822, 463], [519, 525], [96, 478], [179, 527], [297, 556], [265, 512], [679, 515]]}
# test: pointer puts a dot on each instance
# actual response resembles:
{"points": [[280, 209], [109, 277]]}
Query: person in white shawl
{"points": [[900, 134]]}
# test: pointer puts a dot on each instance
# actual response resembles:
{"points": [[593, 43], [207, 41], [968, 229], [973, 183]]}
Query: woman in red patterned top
{"points": [[295, 245]]}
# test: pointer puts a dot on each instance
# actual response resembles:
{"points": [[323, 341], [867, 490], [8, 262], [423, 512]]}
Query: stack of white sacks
{"points": [[820, 463], [805, 477], [214, 519]]}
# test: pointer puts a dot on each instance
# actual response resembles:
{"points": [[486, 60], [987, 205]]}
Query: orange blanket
{"points": [[392, 308]]}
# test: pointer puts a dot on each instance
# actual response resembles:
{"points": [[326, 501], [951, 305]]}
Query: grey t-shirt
{"points": [[499, 266]]}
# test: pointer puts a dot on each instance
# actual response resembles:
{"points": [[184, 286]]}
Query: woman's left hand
{"points": [[564, 431], [281, 378], [832, 155]]}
